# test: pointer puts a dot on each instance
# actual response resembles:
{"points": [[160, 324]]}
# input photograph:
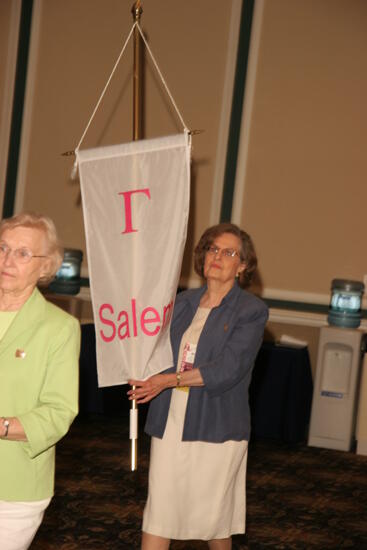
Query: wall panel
{"points": [[304, 183]]}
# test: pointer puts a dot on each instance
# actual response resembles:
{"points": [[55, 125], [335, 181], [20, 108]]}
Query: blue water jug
{"points": [[345, 304]]}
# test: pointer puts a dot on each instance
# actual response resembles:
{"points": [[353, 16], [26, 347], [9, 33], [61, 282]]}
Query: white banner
{"points": [[136, 205]]}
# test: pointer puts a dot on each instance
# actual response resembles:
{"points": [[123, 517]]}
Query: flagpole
{"points": [[136, 11]]}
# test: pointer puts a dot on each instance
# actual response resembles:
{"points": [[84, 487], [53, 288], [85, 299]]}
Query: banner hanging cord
{"points": [[105, 88], [136, 24], [162, 78]]}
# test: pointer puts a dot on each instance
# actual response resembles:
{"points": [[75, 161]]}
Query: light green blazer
{"points": [[39, 365]]}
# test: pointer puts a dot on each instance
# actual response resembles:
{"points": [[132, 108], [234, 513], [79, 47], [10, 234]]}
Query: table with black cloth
{"points": [[281, 393]]}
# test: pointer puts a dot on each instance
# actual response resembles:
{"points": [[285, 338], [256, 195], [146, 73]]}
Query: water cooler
{"points": [[67, 279], [336, 386]]}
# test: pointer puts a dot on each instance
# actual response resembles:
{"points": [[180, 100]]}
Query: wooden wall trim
{"points": [[240, 179], [225, 116], [17, 106], [8, 93], [237, 112], [28, 106]]}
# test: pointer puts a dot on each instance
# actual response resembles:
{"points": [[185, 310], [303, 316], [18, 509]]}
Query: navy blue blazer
{"points": [[225, 355]]}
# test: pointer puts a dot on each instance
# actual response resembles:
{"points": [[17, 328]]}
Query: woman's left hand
{"points": [[145, 390], [15, 431]]}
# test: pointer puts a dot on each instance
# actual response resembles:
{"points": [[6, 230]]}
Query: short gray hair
{"points": [[54, 250]]}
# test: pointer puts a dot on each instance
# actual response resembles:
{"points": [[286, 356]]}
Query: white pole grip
{"points": [[133, 423]]}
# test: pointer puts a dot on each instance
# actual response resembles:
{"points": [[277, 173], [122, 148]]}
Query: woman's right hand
{"points": [[145, 390]]}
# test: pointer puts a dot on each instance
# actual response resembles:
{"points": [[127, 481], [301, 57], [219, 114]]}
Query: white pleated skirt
{"points": [[197, 490]]}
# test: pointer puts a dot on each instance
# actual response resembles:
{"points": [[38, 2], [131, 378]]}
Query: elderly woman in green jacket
{"points": [[39, 351]]}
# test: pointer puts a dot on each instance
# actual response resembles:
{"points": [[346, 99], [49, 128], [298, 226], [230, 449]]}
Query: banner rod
{"points": [[137, 11]]}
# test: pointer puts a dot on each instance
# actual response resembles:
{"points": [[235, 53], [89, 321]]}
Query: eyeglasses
{"points": [[227, 252], [20, 255]]}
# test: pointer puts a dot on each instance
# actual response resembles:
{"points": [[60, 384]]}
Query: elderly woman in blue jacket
{"points": [[39, 351], [199, 416]]}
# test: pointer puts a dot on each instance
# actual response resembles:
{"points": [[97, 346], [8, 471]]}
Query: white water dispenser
{"points": [[336, 385]]}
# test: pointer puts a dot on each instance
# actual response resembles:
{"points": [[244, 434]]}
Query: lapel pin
{"points": [[20, 353]]}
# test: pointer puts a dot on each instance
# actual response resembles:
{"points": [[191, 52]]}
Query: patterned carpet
{"points": [[298, 497]]}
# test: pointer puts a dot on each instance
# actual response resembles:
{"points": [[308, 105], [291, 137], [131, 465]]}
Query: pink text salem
{"points": [[128, 323]]}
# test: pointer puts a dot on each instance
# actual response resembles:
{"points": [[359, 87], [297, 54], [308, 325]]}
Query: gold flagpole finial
{"points": [[137, 10]]}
